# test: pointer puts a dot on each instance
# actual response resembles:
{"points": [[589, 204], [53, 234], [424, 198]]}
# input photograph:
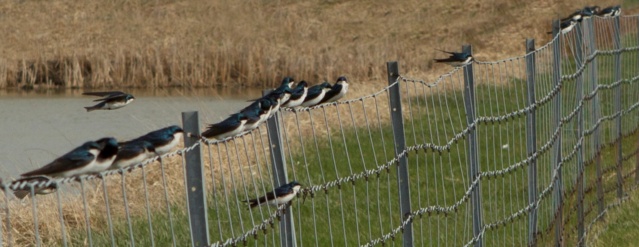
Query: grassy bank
{"points": [[117, 44]]}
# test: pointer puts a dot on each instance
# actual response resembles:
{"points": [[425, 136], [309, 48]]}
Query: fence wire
{"points": [[583, 133]]}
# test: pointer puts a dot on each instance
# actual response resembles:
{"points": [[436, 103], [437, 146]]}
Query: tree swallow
{"points": [[111, 101], [227, 128], [338, 90], [593, 10], [567, 26], [163, 140], [276, 102], [298, 95], [283, 91], [280, 195], [456, 59], [316, 94], [576, 16], [90, 157], [253, 118], [132, 153], [263, 108], [610, 11]]}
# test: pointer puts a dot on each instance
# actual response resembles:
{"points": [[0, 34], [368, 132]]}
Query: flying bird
{"points": [[316, 94], [297, 96], [163, 140], [90, 157], [456, 59], [231, 126], [338, 90], [110, 101], [279, 196]]}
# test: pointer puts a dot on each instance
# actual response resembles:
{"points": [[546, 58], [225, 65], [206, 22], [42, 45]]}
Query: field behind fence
{"points": [[530, 150]]}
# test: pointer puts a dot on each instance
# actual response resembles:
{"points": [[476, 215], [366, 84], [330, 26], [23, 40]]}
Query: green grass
{"points": [[620, 225], [354, 213]]}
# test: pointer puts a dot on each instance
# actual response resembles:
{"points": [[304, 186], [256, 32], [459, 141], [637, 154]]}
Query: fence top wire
{"points": [[55, 182]]}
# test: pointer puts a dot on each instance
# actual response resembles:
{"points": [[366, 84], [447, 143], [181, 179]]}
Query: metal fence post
{"points": [[531, 140], [594, 78], [400, 145], [195, 183], [558, 193], [473, 162], [616, 35], [579, 57], [278, 160]]}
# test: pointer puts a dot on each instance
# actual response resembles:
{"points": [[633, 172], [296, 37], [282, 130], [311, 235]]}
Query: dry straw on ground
{"points": [[204, 43]]}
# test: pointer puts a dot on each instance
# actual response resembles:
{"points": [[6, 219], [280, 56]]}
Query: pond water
{"points": [[37, 127]]}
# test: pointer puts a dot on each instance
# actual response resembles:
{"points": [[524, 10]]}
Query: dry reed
{"points": [[94, 44]]}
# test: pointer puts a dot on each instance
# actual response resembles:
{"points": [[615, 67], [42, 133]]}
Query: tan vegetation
{"points": [[204, 43]]}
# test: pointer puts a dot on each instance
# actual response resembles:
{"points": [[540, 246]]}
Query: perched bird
{"points": [[567, 26], [316, 94], [283, 91], [253, 118], [90, 157], [264, 106], [227, 128], [276, 101], [280, 195], [576, 16], [592, 9], [111, 101], [338, 90], [610, 11], [456, 59], [163, 140], [298, 95], [133, 153]]}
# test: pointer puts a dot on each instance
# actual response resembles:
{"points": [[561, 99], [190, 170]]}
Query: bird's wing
{"points": [[112, 97], [283, 190], [331, 93], [130, 150], [219, 128], [314, 91], [103, 94], [446, 60], [255, 104], [268, 197], [71, 160]]}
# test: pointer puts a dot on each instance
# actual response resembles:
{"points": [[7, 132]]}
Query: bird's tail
{"points": [[90, 108], [21, 194], [252, 203]]}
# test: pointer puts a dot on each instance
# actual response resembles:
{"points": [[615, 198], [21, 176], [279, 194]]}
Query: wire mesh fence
{"points": [[531, 150]]}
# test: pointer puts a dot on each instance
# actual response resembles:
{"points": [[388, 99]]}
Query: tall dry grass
{"points": [[251, 43]]}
